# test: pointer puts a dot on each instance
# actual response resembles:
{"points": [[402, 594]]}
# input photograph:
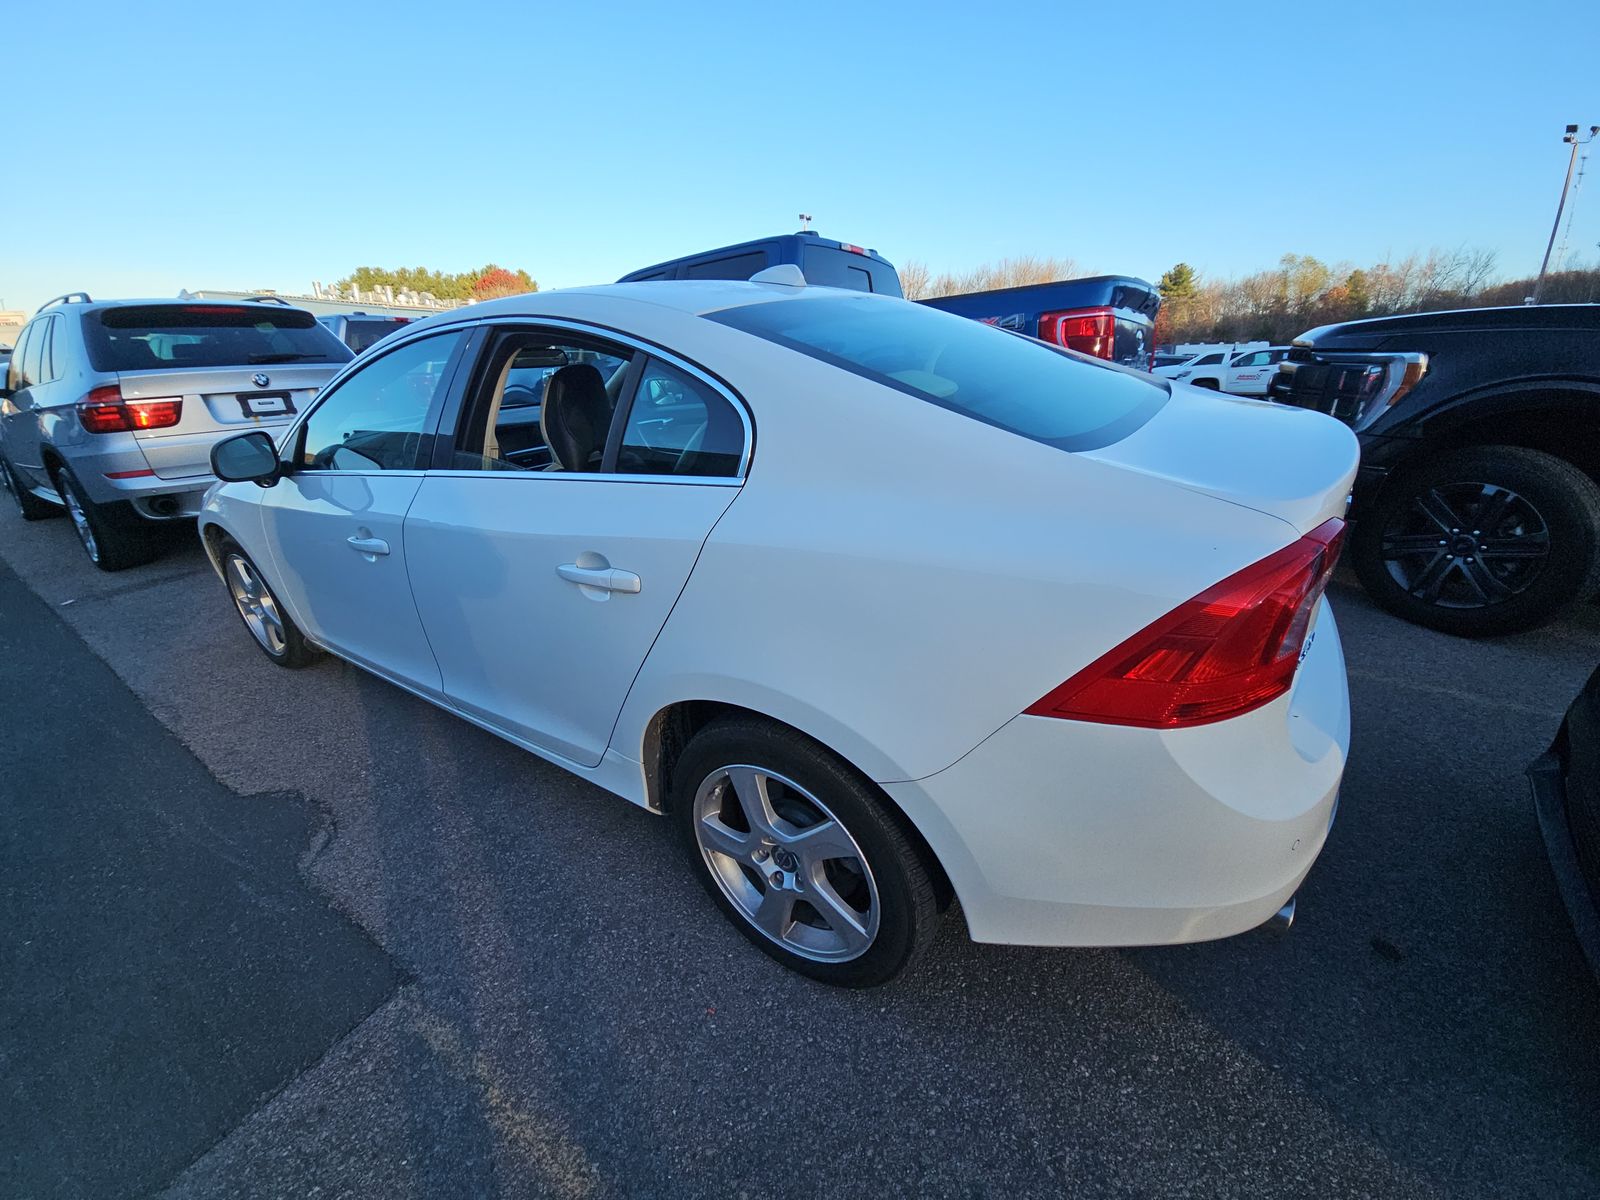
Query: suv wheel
{"points": [[1484, 541], [30, 506], [801, 853], [112, 536]]}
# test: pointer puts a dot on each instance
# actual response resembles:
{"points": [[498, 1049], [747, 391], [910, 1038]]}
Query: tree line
{"points": [[485, 283], [1300, 293]]}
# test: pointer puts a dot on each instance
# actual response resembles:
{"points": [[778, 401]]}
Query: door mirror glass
{"points": [[246, 457]]}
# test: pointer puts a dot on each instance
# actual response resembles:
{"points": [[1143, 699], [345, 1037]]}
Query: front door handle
{"points": [[606, 578], [368, 545]]}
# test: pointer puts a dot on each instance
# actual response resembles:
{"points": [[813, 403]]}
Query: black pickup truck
{"points": [[1477, 507]]}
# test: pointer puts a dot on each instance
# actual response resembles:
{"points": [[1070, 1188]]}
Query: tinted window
{"points": [[1208, 360], [47, 357], [1002, 379], [31, 355], [679, 426], [738, 266], [376, 418], [361, 334], [505, 424], [150, 336]]}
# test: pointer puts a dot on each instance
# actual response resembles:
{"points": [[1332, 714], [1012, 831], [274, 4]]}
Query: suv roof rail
{"points": [[65, 298], [268, 300]]}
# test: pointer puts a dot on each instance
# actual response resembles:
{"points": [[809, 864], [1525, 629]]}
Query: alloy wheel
{"points": [[787, 864], [1466, 545], [255, 604], [80, 521]]}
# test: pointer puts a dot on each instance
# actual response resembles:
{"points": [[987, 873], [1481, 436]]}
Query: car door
{"points": [[19, 411], [1249, 373], [543, 589], [334, 523]]}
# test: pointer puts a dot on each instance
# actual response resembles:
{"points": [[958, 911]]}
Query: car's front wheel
{"points": [[272, 628], [801, 853], [111, 535], [1482, 541]]}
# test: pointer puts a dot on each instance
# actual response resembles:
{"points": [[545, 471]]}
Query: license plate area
{"points": [[265, 404]]}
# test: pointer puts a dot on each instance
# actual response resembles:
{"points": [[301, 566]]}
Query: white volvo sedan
{"points": [[882, 607]]}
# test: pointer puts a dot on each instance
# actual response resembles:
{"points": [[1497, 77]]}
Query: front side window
{"points": [[678, 425], [377, 419], [1257, 359], [17, 378], [33, 356], [1053, 396], [1208, 360]]}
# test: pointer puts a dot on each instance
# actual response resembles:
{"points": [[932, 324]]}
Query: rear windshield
{"points": [[831, 267], [1015, 383], [360, 333], [147, 337]]}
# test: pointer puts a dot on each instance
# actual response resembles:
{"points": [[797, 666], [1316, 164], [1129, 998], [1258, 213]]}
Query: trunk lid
{"points": [[218, 401], [1286, 462]]}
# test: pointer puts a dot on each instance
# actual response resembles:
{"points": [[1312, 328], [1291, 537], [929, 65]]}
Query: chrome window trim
{"points": [[581, 476], [589, 329]]}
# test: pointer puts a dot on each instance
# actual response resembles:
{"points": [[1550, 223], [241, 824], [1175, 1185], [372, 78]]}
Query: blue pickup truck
{"points": [[821, 261], [1106, 316]]}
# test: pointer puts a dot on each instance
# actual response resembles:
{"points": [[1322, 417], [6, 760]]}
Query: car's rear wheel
{"points": [[30, 506], [802, 854], [1483, 541], [272, 628], [111, 535]]}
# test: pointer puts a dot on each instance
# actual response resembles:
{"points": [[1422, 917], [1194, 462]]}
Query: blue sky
{"points": [[154, 147]]}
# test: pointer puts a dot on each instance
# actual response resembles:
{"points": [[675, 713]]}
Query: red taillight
{"points": [[846, 246], [103, 410], [1086, 330], [1234, 647]]}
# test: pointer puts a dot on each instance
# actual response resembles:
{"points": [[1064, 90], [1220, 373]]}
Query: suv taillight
{"points": [[104, 410], [1233, 648], [1086, 330]]}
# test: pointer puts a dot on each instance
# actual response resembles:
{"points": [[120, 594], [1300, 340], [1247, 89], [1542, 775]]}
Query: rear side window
{"points": [[1002, 379], [736, 266], [679, 426], [147, 337]]}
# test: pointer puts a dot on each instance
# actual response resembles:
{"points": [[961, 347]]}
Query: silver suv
{"points": [[110, 407]]}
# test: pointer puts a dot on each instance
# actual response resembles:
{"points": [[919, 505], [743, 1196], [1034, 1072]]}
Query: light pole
{"points": [[1572, 139]]}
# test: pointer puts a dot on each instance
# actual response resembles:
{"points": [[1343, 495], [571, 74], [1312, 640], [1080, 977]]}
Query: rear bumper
{"points": [[1064, 833], [118, 470]]}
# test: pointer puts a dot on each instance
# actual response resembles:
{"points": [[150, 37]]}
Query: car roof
{"points": [[696, 297], [84, 306]]}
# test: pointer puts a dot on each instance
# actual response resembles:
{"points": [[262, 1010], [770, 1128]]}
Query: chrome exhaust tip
{"points": [[1280, 921]]}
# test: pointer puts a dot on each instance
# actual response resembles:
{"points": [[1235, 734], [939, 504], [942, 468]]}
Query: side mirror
{"points": [[246, 457]]}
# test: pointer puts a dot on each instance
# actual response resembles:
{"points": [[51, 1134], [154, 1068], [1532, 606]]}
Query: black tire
{"points": [[1421, 549], [888, 886], [267, 621], [1211, 385], [112, 535], [30, 506]]}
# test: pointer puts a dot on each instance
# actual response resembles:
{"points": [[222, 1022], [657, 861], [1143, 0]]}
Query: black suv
{"points": [[1477, 507]]}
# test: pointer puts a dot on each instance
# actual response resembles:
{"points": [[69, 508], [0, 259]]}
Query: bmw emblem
{"points": [[260, 379]]}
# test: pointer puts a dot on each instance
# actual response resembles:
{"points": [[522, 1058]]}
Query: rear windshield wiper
{"points": [[283, 358]]}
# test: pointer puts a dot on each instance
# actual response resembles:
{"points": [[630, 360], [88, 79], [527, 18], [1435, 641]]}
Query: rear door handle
{"points": [[368, 545], [606, 578]]}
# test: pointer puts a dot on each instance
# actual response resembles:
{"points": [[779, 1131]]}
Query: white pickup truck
{"points": [[1241, 372]]}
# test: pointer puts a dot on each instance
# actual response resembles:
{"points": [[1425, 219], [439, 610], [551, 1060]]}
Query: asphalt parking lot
{"points": [[490, 978]]}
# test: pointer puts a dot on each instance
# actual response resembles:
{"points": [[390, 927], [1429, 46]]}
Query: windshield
{"points": [[1014, 383], [147, 337]]}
